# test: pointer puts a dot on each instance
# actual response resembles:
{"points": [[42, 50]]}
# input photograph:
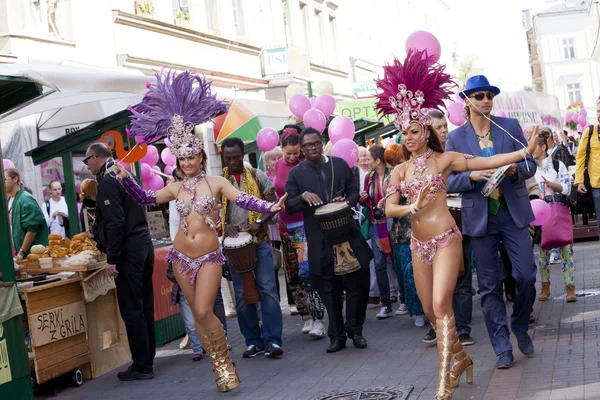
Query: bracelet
{"points": [[302, 195], [414, 209]]}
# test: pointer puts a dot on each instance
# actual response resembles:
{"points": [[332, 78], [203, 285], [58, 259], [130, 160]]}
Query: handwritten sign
{"points": [[97, 284], [57, 323], [5, 373]]}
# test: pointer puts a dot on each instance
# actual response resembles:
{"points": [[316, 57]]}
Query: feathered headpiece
{"points": [[410, 90], [172, 107]]}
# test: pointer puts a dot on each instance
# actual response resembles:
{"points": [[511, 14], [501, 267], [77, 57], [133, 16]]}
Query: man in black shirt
{"points": [[122, 233]]}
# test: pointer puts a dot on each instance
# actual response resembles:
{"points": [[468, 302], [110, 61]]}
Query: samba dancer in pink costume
{"points": [[409, 91], [172, 108]]}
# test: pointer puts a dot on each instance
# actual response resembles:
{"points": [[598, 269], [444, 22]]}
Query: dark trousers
{"points": [[508, 282], [136, 302], [462, 301], [331, 288], [502, 228]]}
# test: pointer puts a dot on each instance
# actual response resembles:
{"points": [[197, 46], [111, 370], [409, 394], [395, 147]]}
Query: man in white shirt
{"points": [[55, 210]]}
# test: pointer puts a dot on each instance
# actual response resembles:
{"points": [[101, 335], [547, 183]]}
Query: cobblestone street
{"points": [[565, 365]]}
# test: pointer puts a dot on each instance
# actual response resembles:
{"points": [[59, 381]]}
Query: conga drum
{"points": [[455, 208], [241, 253], [335, 220]]}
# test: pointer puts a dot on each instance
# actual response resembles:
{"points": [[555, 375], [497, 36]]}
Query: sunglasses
{"points": [[87, 160], [481, 96]]}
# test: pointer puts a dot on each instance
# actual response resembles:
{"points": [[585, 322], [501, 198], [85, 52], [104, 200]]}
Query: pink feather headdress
{"points": [[410, 90]]}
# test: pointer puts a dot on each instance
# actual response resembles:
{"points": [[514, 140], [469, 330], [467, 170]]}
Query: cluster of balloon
{"points": [[313, 111], [6, 163], [150, 179], [576, 119], [341, 133]]}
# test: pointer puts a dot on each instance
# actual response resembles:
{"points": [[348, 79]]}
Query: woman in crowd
{"points": [[553, 178], [87, 215], [408, 91], [293, 240], [173, 107], [400, 234]]}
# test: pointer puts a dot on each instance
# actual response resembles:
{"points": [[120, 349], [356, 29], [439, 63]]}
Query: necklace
{"points": [[484, 136], [189, 185], [420, 162]]}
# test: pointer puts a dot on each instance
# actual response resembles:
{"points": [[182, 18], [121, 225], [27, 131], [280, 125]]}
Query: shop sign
{"points": [[365, 89], [5, 373], [97, 284], [276, 61], [360, 109], [57, 324]]}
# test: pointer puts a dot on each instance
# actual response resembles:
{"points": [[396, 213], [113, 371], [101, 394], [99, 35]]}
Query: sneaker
{"points": [[402, 309], [253, 351], [132, 375], [185, 343], [308, 325], [274, 351], [420, 320], [525, 343], [385, 312], [466, 339], [318, 329], [505, 360], [430, 337], [372, 302], [197, 357], [554, 259], [293, 310], [394, 299]]}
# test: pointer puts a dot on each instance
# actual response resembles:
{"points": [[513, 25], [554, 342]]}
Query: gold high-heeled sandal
{"points": [[444, 343], [215, 344], [462, 363]]}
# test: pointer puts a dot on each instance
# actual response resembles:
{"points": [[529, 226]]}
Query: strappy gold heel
{"points": [[462, 363], [444, 343], [215, 344]]}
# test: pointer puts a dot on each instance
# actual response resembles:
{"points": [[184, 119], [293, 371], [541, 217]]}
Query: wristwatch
{"points": [[259, 221]]}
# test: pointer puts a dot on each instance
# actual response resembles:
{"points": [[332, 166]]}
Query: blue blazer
{"points": [[474, 204]]}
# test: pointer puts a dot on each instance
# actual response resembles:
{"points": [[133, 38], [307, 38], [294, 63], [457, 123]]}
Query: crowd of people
{"points": [[401, 243]]}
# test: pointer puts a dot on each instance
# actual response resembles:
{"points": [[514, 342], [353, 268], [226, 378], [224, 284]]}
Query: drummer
{"points": [[310, 185], [267, 340]]}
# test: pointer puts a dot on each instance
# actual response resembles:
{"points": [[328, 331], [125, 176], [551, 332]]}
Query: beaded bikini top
{"points": [[412, 188], [202, 206]]}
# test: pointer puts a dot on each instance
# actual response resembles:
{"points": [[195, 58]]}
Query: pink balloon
{"points": [[424, 41], [151, 157], [156, 182], [541, 211], [267, 139], [314, 118], [155, 168], [167, 157], [582, 120], [583, 112], [299, 105], [146, 171], [6, 163], [124, 164], [326, 104], [313, 101], [580, 128], [568, 117], [347, 150], [458, 99], [168, 143], [456, 114], [341, 127], [501, 114], [169, 169]]}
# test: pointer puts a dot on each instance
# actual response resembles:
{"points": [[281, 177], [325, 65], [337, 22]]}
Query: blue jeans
{"points": [[190, 322], [596, 197], [247, 314], [381, 271]]}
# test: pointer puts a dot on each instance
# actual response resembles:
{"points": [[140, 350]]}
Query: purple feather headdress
{"points": [[410, 90], [171, 108]]}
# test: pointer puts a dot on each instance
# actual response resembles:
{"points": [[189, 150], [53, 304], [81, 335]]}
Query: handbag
{"points": [[558, 231]]}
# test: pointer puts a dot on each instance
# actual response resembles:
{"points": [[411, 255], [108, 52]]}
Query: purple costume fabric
{"points": [[188, 265], [141, 196], [251, 203]]}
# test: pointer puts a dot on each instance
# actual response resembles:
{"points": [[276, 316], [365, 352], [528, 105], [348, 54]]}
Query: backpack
{"points": [[568, 200], [64, 222], [563, 154]]}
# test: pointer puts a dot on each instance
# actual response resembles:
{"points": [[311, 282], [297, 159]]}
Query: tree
{"points": [[465, 70]]}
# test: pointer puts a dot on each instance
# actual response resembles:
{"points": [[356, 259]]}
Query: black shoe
{"points": [[510, 297], [531, 319], [274, 351], [359, 341], [466, 339], [133, 375], [253, 351], [336, 345], [373, 300], [430, 337]]}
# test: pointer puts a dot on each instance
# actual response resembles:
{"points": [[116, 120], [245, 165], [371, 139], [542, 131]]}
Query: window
{"points": [[318, 48], [568, 46], [574, 91], [238, 19], [305, 26], [332, 50], [212, 17]]}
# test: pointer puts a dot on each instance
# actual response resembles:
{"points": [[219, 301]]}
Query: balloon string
{"points": [[498, 126]]}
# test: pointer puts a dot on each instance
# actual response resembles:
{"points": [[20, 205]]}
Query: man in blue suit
{"points": [[503, 216]]}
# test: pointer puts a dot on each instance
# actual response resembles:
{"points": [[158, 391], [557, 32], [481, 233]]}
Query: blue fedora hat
{"points": [[478, 83]]}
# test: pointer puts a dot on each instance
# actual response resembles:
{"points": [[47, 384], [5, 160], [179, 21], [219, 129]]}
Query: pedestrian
{"points": [[27, 221], [316, 181], [122, 232], [267, 340], [294, 245], [179, 102], [56, 211], [88, 195], [436, 240], [502, 217], [439, 124]]}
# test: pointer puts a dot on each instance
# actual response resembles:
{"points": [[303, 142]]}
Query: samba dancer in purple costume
{"points": [[408, 92], [172, 108]]}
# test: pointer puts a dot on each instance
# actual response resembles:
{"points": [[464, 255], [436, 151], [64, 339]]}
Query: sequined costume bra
{"points": [[412, 188], [202, 206]]}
